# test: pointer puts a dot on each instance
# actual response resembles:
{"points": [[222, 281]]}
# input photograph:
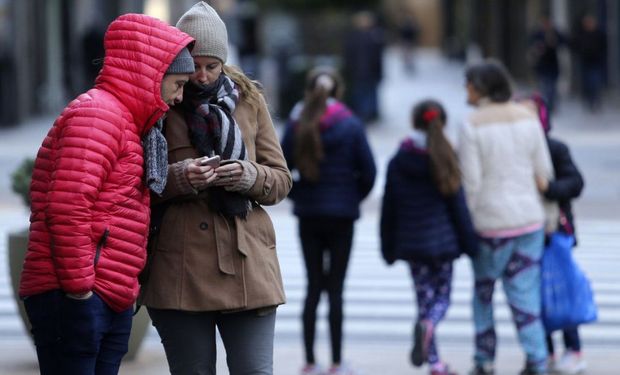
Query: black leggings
{"points": [[334, 236]]}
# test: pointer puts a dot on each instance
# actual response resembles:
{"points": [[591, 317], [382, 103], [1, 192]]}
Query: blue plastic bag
{"points": [[567, 298]]}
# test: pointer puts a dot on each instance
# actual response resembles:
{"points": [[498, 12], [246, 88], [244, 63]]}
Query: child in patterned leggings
{"points": [[425, 222]]}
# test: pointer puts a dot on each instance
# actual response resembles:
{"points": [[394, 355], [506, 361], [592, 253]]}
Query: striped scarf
{"points": [[212, 127], [214, 131]]}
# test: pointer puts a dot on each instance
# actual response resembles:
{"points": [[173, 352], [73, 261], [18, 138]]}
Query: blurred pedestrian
{"points": [[503, 155], [567, 185], [363, 65], [409, 32], [543, 54], [326, 144], [90, 203], [213, 262], [425, 222], [590, 45]]}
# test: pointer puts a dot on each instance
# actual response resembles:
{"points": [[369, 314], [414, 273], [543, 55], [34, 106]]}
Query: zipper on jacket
{"points": [[100, 245]]}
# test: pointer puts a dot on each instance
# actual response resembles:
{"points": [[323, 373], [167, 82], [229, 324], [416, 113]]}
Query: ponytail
{"points": [[308, 146], [430, 117], [322, 82]]}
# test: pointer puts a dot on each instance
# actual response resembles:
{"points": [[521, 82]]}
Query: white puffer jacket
{"points": [[502, 149]]}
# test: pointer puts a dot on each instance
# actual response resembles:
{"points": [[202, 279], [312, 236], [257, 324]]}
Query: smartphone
{"points": [[213, 161]]}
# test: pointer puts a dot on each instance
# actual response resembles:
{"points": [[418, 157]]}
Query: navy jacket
{"points": [[347, 171], [417, 222], [567, 185]]}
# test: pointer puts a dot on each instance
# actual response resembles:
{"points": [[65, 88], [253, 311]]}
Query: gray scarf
{"points": [[155, 158]]}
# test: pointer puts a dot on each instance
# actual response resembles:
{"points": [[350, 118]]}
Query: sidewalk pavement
{"points": [[18, 358]]}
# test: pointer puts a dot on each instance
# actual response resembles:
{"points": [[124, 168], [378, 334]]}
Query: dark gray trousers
{"points": [[190, 342]]}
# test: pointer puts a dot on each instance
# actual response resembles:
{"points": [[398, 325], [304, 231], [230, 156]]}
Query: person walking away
{"points": [[543, 53], [425, 222], [213, 261], [590, 45], [503, 153], [90, 203], [567, 185], [325, 143], [363, 65], [408, 32]]}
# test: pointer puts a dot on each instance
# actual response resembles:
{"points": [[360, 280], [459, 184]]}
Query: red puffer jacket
{"points": [[90, 207]]}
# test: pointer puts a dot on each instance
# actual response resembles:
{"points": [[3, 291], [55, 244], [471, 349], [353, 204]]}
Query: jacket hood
{"points": [[412, 160], [138, 51]]}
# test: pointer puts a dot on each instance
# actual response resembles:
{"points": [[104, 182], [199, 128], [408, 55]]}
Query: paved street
{"points": [[379, 302]]}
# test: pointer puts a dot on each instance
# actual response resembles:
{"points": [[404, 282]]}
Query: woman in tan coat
{"points": [[213, 260]]}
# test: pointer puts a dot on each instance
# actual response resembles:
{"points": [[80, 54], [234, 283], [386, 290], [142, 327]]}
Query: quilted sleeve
{"points": [[367, 171], [82, 155], [387, 222], [471, 164]]}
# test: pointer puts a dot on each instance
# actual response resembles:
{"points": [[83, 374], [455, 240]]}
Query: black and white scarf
{"points": [[214, 131]]}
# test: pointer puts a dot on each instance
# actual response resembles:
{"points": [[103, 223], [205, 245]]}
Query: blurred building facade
{"points": [[500, 29], [49, 49]]}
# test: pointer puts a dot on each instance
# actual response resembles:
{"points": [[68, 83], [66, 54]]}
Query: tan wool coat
{"points": [[202, 261]]}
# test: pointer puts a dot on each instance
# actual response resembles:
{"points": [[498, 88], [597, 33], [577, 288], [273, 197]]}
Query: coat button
{"points": [[204, 225]]}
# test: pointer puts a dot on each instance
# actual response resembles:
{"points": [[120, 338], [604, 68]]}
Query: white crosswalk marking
{"points": [[379, 304]]}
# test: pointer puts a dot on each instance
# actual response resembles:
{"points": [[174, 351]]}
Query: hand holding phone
{"points": [[200, 177], [213, 161]]}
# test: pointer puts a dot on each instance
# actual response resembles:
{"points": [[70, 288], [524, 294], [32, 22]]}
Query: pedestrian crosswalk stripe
{"points": [[379, 300]]}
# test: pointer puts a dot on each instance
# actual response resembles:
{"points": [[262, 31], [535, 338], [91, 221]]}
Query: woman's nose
{"points": [[202, 76]]}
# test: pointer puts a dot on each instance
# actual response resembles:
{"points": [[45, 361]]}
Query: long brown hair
{"points": [[249, 90], [430, 117], [321, 83]]}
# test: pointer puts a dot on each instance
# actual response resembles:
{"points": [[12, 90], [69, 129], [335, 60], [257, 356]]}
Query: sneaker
{"points": [[422, 335], [341, 369], [531, 371], [312, 369], [483, 369], [571, 363], [441, 369]]}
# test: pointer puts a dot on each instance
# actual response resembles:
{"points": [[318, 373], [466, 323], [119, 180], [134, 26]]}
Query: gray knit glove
{"points": [[248, 177]]}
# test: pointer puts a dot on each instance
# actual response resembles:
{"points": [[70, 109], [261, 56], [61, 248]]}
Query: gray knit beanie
{"points": [[204, 24], [182, 64]]}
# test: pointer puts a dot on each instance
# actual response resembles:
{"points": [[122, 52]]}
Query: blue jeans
{"points": [[517, 262], [592, 76], [77, 337], [365, 101], [548, 87]]}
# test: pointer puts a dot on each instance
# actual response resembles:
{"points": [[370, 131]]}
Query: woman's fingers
{"points": [[200, 176], [229, 169]]}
